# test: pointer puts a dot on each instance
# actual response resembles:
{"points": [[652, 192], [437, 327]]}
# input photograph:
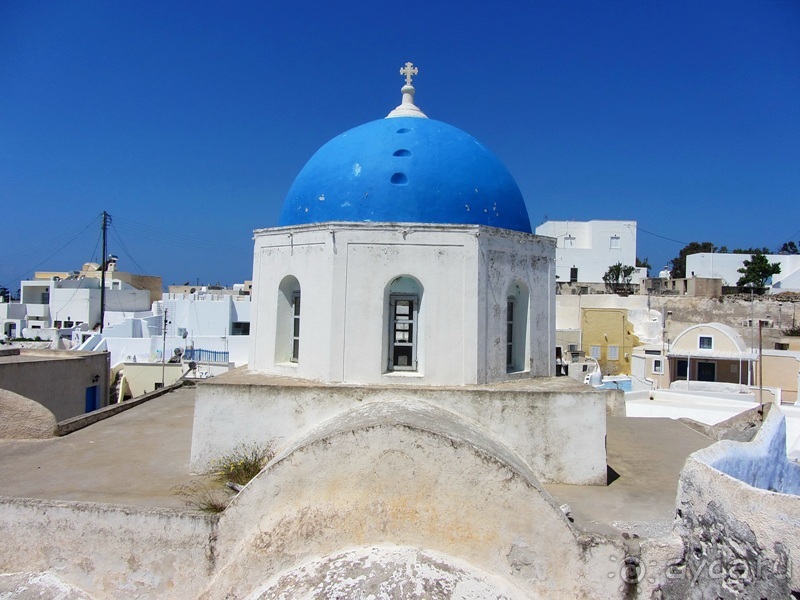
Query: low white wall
{"points": [[109, 551], [561, 435]]}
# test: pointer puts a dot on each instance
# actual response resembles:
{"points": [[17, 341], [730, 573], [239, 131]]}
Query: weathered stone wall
{"points": [[109, 551], [728, 310], [739, 541]]}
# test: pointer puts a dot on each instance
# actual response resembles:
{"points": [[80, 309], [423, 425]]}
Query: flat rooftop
{"points": [[134, 458], [645, 456], [137, 458], [20, 355]]}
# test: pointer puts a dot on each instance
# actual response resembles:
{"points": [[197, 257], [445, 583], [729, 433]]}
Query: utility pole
{"points": [[103, 266], [760, 364], [164, 348]]}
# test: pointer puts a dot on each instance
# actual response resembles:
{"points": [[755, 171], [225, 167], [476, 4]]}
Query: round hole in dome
{"points": [[402, 152], [403, 130], [399, 179]]}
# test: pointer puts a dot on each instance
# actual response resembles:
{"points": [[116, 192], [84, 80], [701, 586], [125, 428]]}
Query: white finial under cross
{"points": [[409, 71]]}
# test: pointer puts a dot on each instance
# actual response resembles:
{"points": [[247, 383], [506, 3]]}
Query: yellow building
{"points": [[608, 336], [781, 370], [711, 352]]}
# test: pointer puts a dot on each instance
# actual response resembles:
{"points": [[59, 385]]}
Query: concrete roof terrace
{"points": [[137, 458]]}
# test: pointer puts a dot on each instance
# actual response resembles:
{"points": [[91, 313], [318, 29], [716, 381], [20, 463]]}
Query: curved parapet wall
{"points": [[761, 463], [405, 475], [23, 418], [738, 515]]}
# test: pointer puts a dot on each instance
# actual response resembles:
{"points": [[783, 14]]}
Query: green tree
{"points": [[679, 262], [757, 270], [5, 294], [763, 250], [789, 248], [618, 277], [644, 262]]}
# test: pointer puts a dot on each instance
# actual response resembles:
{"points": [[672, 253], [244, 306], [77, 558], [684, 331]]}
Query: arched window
{"points": [[517, 327], [287, 342], [404, 301]]}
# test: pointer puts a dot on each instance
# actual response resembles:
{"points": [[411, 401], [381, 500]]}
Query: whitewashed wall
{"points": [[726, 266], [591, 250], [344, 271]]}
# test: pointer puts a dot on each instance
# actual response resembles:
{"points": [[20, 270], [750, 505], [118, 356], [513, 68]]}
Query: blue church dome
{"points": [[407, 169]]}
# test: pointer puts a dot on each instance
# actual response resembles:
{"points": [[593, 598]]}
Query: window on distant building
{"points": [[613, 353], [573, 274], [705, 342], [683, 369], [658, 366], [615, 242], [57, 324], [240, 328], [595, 352], [287, 330]]}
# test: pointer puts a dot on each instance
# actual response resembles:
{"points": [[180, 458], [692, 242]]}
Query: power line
{"points": [[148, 231], [60, 248], [125, 249], [58, 243], [663, 237]]}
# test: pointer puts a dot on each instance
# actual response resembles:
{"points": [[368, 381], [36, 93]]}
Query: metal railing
{"points": [[201, 356]]}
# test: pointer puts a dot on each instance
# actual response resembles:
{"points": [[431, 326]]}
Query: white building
{"points": [[586, 249], [207, 328], [726, 267], [55, 306]]}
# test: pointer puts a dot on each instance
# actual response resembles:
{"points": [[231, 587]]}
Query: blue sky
{"points": [[188, 121]]}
